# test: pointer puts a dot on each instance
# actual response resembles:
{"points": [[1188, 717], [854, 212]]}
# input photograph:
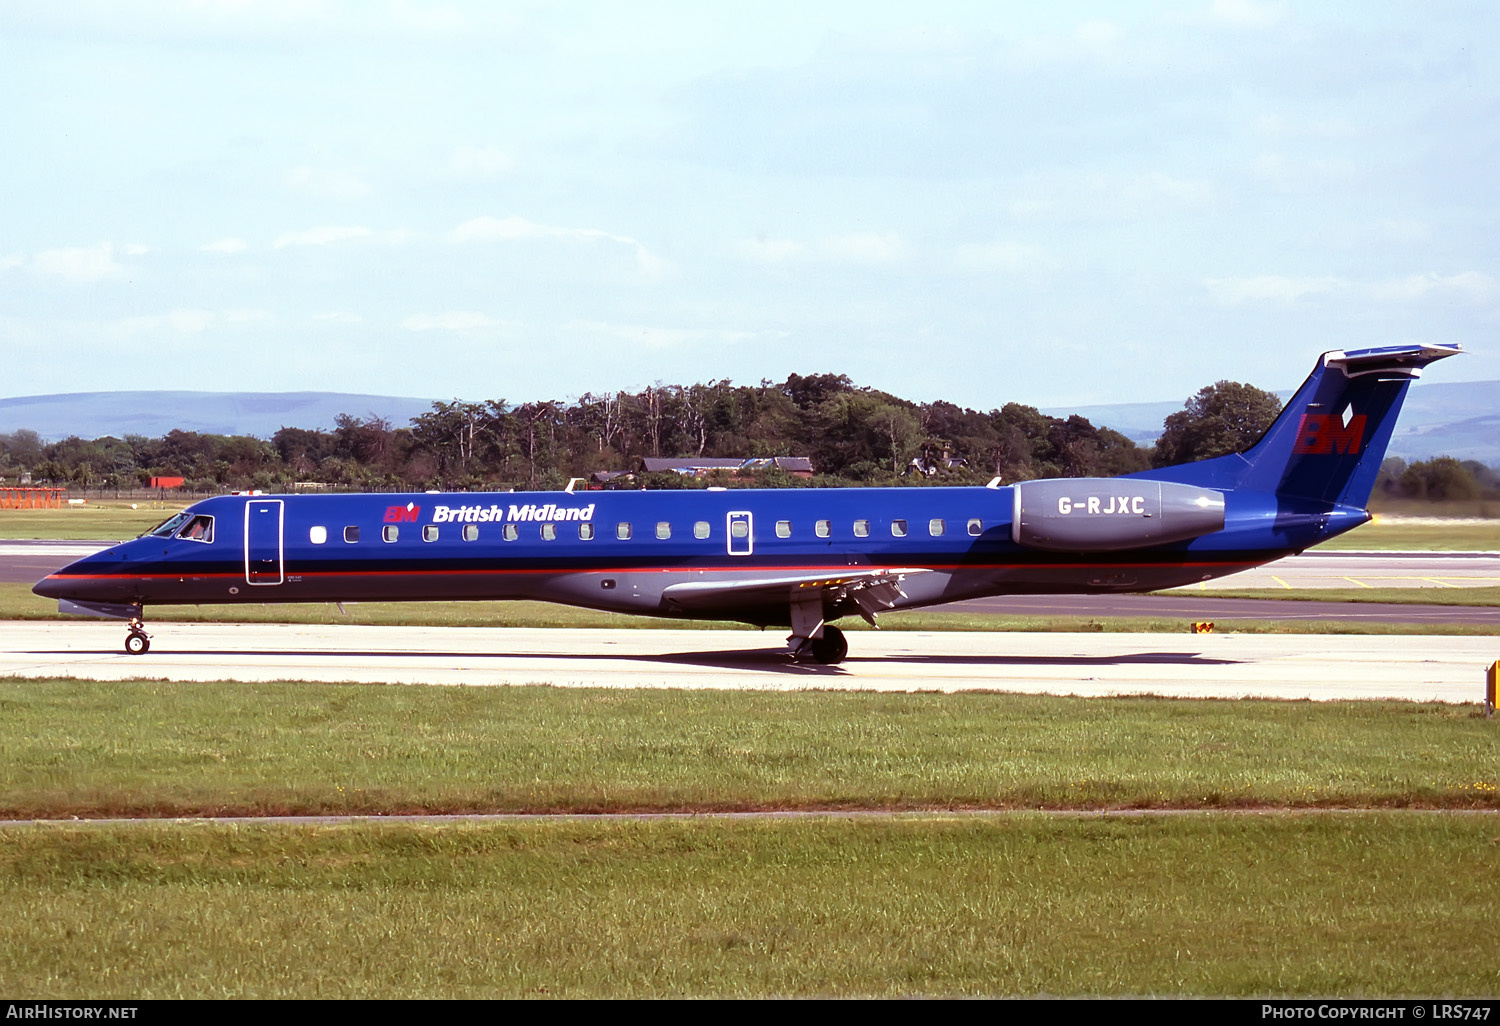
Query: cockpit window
{"points": [[199, 529], [169, 526]]}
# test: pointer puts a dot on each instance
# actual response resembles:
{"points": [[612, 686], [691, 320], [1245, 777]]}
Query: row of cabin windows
{"points": [[738, 529]]}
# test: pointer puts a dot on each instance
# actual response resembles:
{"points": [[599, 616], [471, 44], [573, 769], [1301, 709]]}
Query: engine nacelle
{"points": [[1100, 514]]}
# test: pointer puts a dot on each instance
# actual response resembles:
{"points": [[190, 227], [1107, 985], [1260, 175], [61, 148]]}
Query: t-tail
{"points": [[1327, 445]]}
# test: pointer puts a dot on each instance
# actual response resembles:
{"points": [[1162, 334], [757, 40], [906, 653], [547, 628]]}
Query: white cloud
{"points": [[864, 247], [762, 250], [339, 185], [1293, 175], [1001, 258], [1269, 288], [510, 229], [322, 236], [858, 248], [11, 261], [93, 263], [188, 321], [1471, 285], [652, 337], [338, 317], [462, 321], [479, 163], [183, 322], [1247, 13], [492, 229], [229, 244]]}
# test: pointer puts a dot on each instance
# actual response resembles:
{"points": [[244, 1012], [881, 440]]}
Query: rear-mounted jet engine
{"points": [[1092, 514]]}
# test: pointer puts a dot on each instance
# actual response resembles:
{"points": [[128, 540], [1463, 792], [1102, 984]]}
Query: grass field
{"points": [[93, 522], [86, 749], [1360, 905]]}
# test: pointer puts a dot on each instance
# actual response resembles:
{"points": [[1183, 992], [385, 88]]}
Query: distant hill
{"points": [[1460, 419], [96, 414]]}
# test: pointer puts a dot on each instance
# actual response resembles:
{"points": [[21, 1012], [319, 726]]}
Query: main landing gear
{"points": [[811, 638], [831, 647], [137, 642], [828, 648]]}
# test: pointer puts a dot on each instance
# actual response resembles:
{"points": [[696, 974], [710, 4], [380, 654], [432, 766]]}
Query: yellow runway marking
{"points": [[1362, 584], [1281, 582]]}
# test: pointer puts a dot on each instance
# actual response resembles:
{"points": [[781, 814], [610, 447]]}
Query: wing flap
{"points": [[873, 591]]}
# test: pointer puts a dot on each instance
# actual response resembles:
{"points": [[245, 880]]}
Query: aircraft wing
{"points": [[870, 591]]}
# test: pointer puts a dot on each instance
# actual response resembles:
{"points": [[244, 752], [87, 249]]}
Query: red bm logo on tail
{"points": [[1321, 433], [402, 514]]}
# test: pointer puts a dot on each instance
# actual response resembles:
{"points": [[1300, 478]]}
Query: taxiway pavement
{"points": [[1317, 667]]}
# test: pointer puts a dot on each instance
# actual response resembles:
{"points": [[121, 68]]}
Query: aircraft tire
{"points": [[137, 643], [831, 647]]}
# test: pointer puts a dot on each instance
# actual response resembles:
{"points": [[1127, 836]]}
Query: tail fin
{"points": [[1328, 443]]}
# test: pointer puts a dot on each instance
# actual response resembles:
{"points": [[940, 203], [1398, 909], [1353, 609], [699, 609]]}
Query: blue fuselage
{"points": [[623, 551]]}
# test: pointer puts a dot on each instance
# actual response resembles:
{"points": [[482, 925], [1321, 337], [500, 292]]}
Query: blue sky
{"points": [[1055, 204]]}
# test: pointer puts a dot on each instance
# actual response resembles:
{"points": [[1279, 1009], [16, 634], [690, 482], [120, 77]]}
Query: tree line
{"points": [[853, 436]]}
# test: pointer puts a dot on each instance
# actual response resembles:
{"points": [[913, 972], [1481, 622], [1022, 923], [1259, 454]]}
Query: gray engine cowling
{"points": [[1095, 514]]}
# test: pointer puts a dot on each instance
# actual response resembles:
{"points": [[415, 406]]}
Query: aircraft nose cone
{"points": [[53, 586]]}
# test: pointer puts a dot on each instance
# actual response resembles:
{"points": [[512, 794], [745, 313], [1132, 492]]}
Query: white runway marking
{"points": [[1319, 667]]}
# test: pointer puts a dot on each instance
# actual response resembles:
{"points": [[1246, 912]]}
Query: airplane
{"points": [[796, 558]]}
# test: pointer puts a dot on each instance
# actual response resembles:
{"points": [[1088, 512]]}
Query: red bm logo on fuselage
{"points": [[1319, 434], [402, 514]]}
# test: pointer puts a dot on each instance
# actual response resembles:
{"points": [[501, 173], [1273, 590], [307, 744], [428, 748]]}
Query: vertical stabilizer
{"points": [[1328, 443]]}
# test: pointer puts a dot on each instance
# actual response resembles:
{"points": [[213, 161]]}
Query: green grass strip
{"points": [[159, 749], [1346, 904]]}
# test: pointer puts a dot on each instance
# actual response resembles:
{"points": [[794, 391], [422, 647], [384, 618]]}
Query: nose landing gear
{"points": [[137, 642]]}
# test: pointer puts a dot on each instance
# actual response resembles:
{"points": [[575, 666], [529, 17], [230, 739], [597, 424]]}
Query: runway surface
{"points": [[1412, 668]]}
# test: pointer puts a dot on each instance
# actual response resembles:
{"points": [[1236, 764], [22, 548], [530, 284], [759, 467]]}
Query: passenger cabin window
{"points": [[585, 532], [739, 529], [861, 529], [976, 527], [471, 532], [390, 532], [663, 530], [622, 531], [936, 528], [199, 529], [317, 535], [783, 528], [549, 532], [898, 528], [510, 532], [700, 529], [430, 533], [351, 535], [823, 528]]}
